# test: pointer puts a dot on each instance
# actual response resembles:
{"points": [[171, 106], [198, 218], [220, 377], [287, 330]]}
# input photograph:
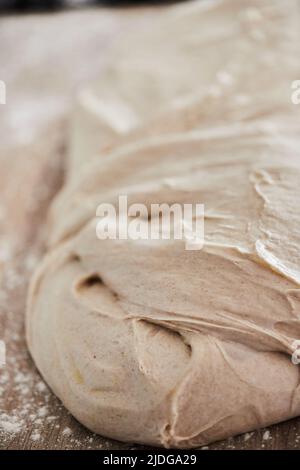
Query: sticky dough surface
{"points": [[145, 341]]}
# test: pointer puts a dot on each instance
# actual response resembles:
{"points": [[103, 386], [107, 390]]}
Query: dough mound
{"points": [[144, 341]]}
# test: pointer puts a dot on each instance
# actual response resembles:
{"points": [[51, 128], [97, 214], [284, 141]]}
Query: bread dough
{"points": [[145, 341], [217, 57]]}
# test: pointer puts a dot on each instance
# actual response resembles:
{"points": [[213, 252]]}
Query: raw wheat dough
{"points": [[147, 342]]}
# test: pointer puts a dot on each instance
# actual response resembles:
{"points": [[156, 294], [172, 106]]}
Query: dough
{"points": [[216, 58], [145, 341]]}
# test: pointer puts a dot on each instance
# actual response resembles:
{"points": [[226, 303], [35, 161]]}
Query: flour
{"points": [[267, 436], [10, 424], [67, 432]]}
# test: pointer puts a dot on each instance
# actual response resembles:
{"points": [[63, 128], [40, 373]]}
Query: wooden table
{"points": [[43, 59]]}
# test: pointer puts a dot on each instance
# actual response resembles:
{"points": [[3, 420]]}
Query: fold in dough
{"points": [[144, 341]]}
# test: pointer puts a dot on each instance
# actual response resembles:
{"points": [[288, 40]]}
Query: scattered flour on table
{"points": [[10, 424], [267, 436], [28, 411], [35, 436], [67, 432]]}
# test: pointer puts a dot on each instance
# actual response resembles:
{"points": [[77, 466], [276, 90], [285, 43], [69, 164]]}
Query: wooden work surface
{"points": [[43, 58]]}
